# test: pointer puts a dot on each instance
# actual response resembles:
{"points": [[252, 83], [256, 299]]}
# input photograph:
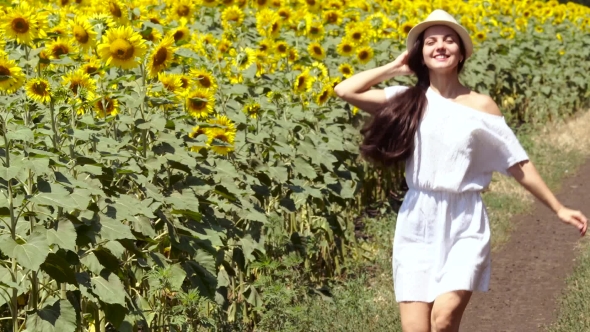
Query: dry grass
{"points": [[558, 150]]}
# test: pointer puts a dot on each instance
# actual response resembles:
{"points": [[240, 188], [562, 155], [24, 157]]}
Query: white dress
{"points": [[442, 234]]}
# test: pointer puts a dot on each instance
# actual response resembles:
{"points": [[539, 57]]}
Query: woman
{"points": [[451, 139]]}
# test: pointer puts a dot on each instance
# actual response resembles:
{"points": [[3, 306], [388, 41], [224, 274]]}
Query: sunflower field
{"points": [[161, 159]]}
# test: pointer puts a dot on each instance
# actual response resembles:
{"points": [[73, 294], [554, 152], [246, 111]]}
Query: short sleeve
{"points": [[391, 91], [502, 149]]}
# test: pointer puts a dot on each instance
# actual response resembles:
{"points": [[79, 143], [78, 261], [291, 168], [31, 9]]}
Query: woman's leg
{"points": [[415, 316], [448, 309]]}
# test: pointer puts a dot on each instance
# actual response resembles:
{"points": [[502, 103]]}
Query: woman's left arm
{"points": [[528, 176]]}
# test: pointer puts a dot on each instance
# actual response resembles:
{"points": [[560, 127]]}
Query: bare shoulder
{"points": [[484, 103]]}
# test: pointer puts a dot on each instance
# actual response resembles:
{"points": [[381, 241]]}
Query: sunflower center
{"points": [[155, 20], [332, 17], [284, 14], [178, 35], [74, 87], [317, 50], [161, 56], [64, 2], [204, 81], [363, 55], [39, 88], [282, 48], [357, 35], [115, 10], [346, 70], [222, 137], [197, 104], [4, 73], [407, 28], [109, 103], [301, 81], [90, 69], [347, 48], [310, 2], [81, 35], [20, 25], [183, 10], [184, 82], [261, 2], [59, 50], [122, 49], [314, 30]]}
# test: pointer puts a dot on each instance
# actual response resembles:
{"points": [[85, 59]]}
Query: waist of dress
{"points": [[466, 192]]}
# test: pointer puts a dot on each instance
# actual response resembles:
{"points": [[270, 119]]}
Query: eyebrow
{"points": [[445, 36]]}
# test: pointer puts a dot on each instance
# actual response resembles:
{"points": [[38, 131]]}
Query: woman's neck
{"points": [[447, 85]]}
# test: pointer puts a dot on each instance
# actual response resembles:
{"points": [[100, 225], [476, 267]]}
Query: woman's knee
{"points": [[443, 320], [415, 316]]}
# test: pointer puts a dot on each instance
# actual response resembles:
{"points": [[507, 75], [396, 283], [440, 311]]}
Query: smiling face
{"points": [[442, 52]]}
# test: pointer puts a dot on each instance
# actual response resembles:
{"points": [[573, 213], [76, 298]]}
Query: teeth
{"points": [[441, 56]]}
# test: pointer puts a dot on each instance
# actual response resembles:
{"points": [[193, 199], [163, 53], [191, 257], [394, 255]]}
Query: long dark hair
{"points": [[388, 137]]}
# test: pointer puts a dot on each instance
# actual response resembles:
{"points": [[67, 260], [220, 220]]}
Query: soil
{"points": [[529, 272]]}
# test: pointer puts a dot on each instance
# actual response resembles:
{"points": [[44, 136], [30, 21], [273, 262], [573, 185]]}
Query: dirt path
{"points": [[528, 273]]}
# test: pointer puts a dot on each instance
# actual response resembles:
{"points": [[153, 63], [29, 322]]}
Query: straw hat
{"points": [[441, 17]]}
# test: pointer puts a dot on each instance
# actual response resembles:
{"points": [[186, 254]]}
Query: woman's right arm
{"points": [[356, 90]]}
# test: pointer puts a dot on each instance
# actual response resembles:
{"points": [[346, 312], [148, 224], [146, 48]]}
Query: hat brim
{"points": [[459, 29]]}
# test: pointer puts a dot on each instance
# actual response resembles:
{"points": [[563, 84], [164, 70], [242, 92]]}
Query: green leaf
{"points": [[109, 290], [143, 225], [177, 276], [115, 248], [112, 229], [79, 202], [59, 269], [58, 317], [23, 134], [303, 168], [65, 236], [92, 263], [256, 216], [9, 173], [32, 253]]}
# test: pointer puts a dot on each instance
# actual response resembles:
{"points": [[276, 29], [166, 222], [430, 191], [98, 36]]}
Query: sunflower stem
{"points": [[53, 125]]}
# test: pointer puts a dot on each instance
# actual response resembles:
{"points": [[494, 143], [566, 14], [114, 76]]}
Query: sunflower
{"points": [[60, 47], [313, 6], [508, 32], [345, 47], [303, 82], [106, 106], [265, 45], [22, 24], [182, 9], [260, 4], [325, 94], [11, 75], [199, 102], [244, 59], [346, 70], [92, 66], [252, 110], [332, 17], [221, 140], [171, 82], [151, 34], [387, 30], [316, 51], [364, 54], [282, 49], [161, 56], [121, 46], [539, 29], [60, 30], [181, 33], [196, 131], [204, 78], [480, 36], [315, 31], [231, 17], [293, 55], [38, 90], [323, 70], [209, 3], [118, 11], [79, 79], [405, 28], [357, 35], [83, 33]]}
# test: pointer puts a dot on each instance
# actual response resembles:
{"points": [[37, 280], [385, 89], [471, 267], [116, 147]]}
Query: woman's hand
{"points": [[574, 218], [400, 64]]}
